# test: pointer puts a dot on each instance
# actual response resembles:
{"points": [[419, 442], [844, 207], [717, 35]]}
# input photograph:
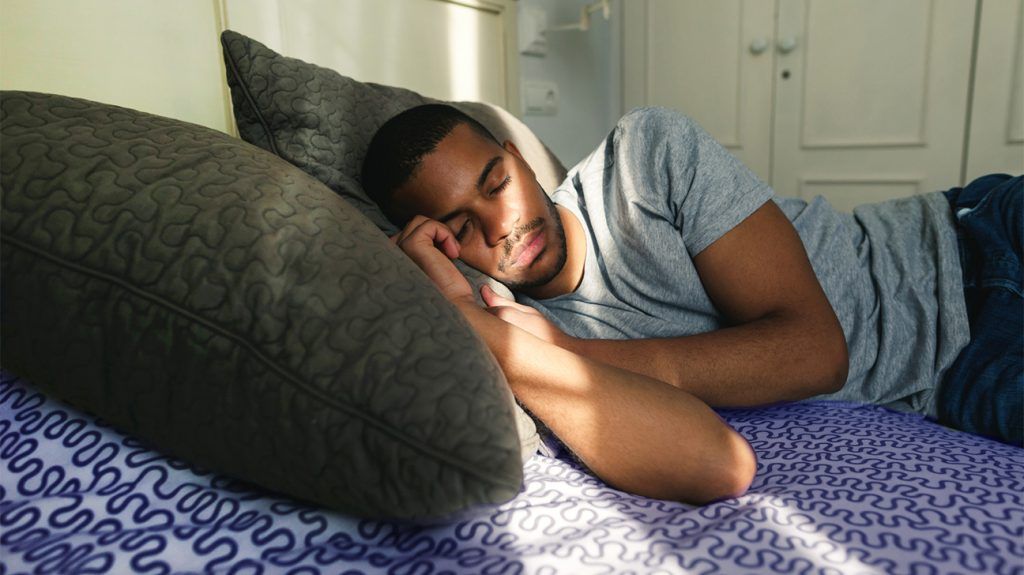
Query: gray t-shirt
{"points": [[659, 190]]}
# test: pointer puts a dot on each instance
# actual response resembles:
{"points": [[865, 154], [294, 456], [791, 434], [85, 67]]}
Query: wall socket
{"points": [[540, 98]]}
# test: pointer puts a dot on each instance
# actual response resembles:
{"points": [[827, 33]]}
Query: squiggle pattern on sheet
{"points": [[840, 489]]}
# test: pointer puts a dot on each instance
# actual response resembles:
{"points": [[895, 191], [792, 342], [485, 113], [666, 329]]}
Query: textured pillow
{"points": [[323, 122], [215, 301]]}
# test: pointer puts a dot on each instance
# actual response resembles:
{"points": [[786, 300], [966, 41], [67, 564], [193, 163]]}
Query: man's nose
{"points": [[499, 224]]}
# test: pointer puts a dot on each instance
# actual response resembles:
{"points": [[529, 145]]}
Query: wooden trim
{"points": [[220, 17]]}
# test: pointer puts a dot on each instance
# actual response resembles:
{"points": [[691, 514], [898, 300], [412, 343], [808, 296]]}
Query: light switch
{"points": [[540, 98], [532, 23]]}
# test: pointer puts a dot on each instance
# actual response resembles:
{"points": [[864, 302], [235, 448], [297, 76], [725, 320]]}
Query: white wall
{"points": [[452, 50], [164, 56], [586, 67], [151, 55]]}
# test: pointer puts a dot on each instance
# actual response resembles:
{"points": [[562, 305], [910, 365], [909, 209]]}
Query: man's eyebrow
{"points": [[444, 219], [479, 185], [487, 170]]}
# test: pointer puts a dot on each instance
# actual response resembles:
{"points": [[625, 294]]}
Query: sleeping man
{"points": [[662, 278]]}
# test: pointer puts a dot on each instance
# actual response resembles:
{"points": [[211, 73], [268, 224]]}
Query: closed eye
{"points": [[459, 235], [501, 187]]}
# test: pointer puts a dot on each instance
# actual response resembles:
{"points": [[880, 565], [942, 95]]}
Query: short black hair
{"points": [[398, 147]]}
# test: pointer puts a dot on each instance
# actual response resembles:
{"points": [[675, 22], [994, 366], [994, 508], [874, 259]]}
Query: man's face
{"points": [[505, 224]]}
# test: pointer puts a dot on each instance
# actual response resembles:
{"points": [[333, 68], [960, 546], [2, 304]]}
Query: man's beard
{"points": [[559, 247]]}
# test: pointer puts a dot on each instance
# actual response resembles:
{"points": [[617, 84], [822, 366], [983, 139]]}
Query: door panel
{"points": [[865, 74], [874, 105], [997, 117], [696, 57]]}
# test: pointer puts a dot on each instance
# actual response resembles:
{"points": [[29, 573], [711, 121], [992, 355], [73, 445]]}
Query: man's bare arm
{"points": [[636, 433], [784, 341]]}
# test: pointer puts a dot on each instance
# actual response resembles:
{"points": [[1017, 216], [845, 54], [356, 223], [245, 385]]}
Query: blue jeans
{"points": [[982, 391]]}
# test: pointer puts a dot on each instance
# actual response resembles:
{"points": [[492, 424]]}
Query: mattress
{"points": [[840, 488]]}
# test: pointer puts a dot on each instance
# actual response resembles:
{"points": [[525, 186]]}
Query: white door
{"points": [[855, 100], [710, 60], [871, 97], [996, 143]]}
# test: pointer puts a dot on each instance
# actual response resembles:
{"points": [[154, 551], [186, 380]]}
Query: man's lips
{"points": [[529, 248]]}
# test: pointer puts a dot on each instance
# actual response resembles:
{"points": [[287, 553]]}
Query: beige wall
{"points": [[152, 55], [164, 56], [449, 50]]}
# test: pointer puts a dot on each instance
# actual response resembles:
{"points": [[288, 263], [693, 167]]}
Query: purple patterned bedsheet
{"points": [[840, 488]]}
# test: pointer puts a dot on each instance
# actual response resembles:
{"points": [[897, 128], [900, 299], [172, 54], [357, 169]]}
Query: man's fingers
{"points": [[432, 246], [440, 236], [408, 230], [488, 295], [501, 312], [492, 297], [423, 229], [450, 245]]}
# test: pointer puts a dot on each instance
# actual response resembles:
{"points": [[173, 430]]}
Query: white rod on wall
{"points": [[585, 12]]}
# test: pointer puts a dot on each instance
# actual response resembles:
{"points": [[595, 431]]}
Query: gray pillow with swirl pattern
{"points": [[322, 122], [217, 302]]}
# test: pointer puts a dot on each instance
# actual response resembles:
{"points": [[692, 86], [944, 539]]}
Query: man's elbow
{"points": [[739, 465], [826, 360], [836, 364], [728, 476]]}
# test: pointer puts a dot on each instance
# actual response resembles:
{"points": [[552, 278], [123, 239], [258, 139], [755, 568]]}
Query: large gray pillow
{"points": [[322, 122], [222, 305]]}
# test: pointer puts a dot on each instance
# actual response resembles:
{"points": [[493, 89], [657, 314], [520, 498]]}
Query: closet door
{"points": [[710, 60], [997, 117], [871, 97]]}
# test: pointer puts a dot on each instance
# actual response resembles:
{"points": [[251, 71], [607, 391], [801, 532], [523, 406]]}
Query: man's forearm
{"points": [[764, 361], [636, 433]]}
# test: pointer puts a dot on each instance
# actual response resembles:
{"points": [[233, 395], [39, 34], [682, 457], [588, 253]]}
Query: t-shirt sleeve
{"points": [[701, 187]]}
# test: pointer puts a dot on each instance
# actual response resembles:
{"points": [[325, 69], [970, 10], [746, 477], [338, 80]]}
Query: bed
{"points": [[840, 488]]}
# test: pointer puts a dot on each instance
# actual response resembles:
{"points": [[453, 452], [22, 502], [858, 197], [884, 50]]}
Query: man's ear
{"points": [[508, 145]]}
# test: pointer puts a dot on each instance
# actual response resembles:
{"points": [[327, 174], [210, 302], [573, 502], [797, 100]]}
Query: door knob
{"points": [[758, 45], [787, 45]]}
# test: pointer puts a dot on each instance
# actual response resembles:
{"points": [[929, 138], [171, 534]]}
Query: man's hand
{"points": [[524, 317], [432, 246]]}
